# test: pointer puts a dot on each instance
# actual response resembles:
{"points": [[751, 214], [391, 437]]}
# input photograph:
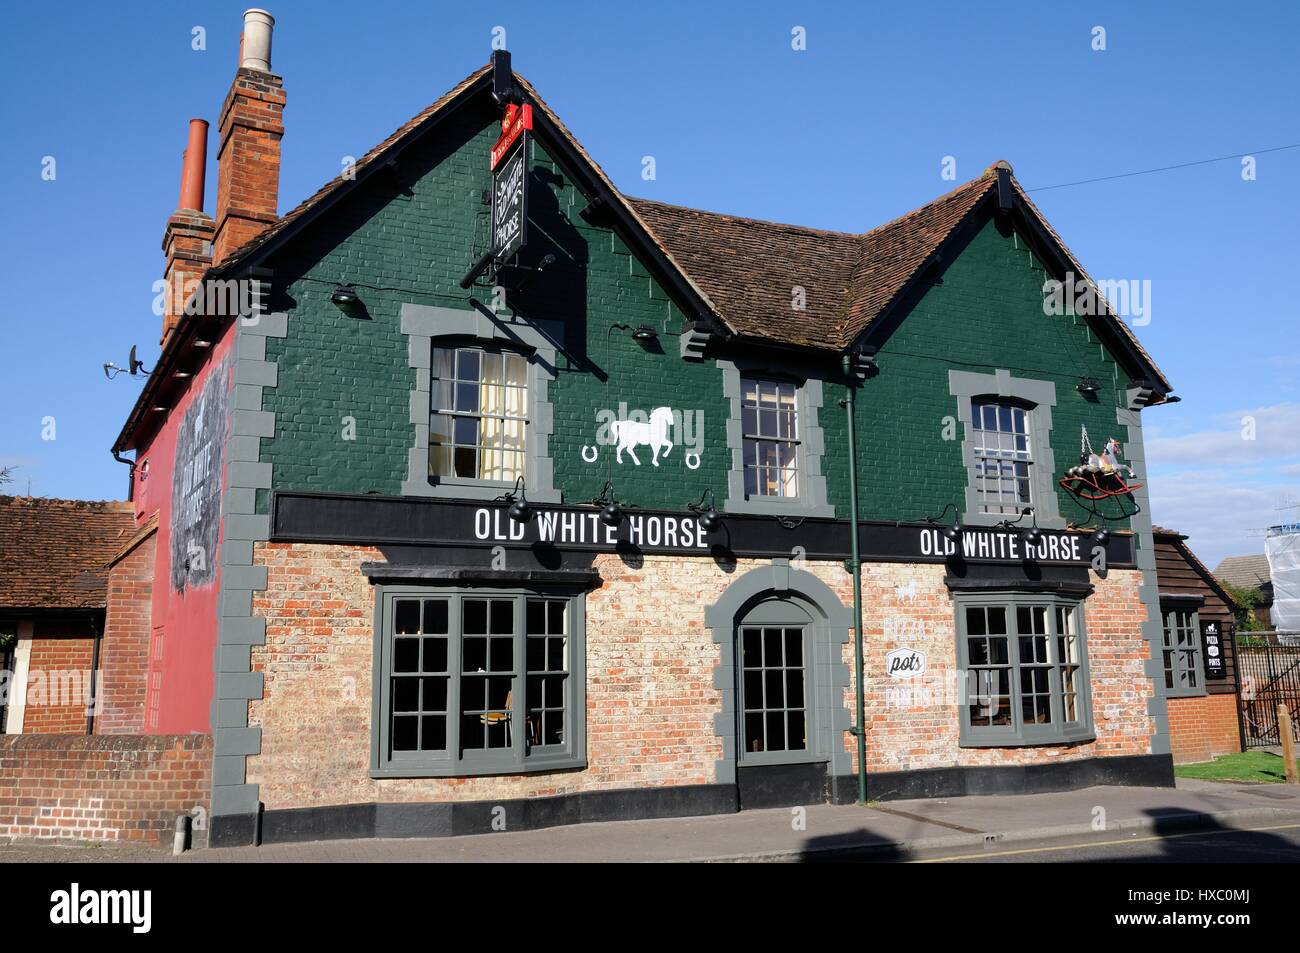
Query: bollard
{"points": [[1287, 733]]}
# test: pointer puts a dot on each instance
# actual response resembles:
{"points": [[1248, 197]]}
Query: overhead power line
{"points": [[1164, 168]]}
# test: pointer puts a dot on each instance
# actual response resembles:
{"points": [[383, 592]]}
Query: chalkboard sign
{"points": [[510, 203], [1212, 637]]}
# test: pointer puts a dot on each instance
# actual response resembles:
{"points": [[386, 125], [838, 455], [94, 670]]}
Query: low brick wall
{"points": [[102, 787], [1201, 729]]}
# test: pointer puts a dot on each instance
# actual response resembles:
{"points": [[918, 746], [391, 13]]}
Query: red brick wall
{"points": [[651, 699], [58, 678], [101, 788], [913, 723], [124, 655], [1201, 729]]}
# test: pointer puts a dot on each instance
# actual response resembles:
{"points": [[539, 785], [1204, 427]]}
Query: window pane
{"points": [[435, 616], [406, 694], [474, 618], [467, 365], [406, 733], [435, 655], [434, 697], [433, 730], [503, 617], [406, 655], [406, 617]]}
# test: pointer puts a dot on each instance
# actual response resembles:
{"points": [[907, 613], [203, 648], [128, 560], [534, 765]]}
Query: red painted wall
{"points": [[184, 623]]}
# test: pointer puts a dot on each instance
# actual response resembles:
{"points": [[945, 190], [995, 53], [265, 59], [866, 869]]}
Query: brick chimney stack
{"points": [[187, 243], [252, 124]]}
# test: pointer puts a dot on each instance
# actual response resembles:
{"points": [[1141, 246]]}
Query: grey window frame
{"points": [[792, 441], [979, 454], [513, 760], [783, 613], [455, 348], [810, 499], [1038, 397], [539, 341], [1018, 734], [1197, 668]]}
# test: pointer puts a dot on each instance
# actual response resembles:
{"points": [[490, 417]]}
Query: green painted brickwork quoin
{"points": [[342, 400]]}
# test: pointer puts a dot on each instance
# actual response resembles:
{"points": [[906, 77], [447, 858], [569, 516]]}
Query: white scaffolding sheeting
{"points": [[1283, 551]]}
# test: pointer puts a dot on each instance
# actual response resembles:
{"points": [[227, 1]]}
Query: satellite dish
{"points": [[132, 364]]}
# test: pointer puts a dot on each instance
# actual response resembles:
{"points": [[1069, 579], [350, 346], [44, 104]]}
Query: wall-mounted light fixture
{"points": [[611, 512], [1101, 536], [521, 511], [644, 334], [707, 513], [344, 297], [951, 533], [1088, 386]]}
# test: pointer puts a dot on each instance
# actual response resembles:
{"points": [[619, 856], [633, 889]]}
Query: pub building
{"points": [[480, 484]]}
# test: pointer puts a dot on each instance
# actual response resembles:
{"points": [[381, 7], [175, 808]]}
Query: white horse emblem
{"points": [[631, 434]]}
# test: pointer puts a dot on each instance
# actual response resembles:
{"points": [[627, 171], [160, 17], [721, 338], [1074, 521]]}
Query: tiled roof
{"points": [[1245, 571], [54, 554], [750, 270]]}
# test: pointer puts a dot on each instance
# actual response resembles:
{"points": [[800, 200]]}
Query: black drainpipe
{"points": [[130, 477]]}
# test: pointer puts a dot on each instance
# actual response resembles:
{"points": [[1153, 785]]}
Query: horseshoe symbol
{"points": [[689, 464], [594, 453]]}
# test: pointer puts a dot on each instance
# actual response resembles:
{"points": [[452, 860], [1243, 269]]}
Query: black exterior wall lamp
{"points": [[1030, 535], [707, 513], [611, 511], [951, 533], [521, 511], [345, 298]]}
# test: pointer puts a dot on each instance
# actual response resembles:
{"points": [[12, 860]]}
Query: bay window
{"points": [[1025, 662], [477, 681]]}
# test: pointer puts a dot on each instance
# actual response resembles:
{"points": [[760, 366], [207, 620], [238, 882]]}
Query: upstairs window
{"points": [[478, 414], [770, 429], [1003, 455]]}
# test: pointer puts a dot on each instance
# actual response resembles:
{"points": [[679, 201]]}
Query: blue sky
{"points": [[845, 134]]}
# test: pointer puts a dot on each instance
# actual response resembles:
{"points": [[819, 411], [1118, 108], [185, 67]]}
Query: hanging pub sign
{"points": [[510, 204], [509, 164], [1212, 637]]}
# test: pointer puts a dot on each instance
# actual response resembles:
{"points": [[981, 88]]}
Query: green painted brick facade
{"points": [[411, 237], [986, 313]]}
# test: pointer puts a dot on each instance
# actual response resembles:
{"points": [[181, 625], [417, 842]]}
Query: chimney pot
{"points": [[255, 48], [194, 167]]}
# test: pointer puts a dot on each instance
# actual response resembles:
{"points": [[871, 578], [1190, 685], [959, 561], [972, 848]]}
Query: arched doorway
{"points": [[781, 632]]}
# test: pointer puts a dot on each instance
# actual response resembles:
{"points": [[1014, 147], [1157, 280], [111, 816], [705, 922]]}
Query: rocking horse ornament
{"points": [[1098, 475]]}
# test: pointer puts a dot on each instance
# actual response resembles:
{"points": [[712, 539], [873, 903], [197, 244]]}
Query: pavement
{"points": [[891, 830]]}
